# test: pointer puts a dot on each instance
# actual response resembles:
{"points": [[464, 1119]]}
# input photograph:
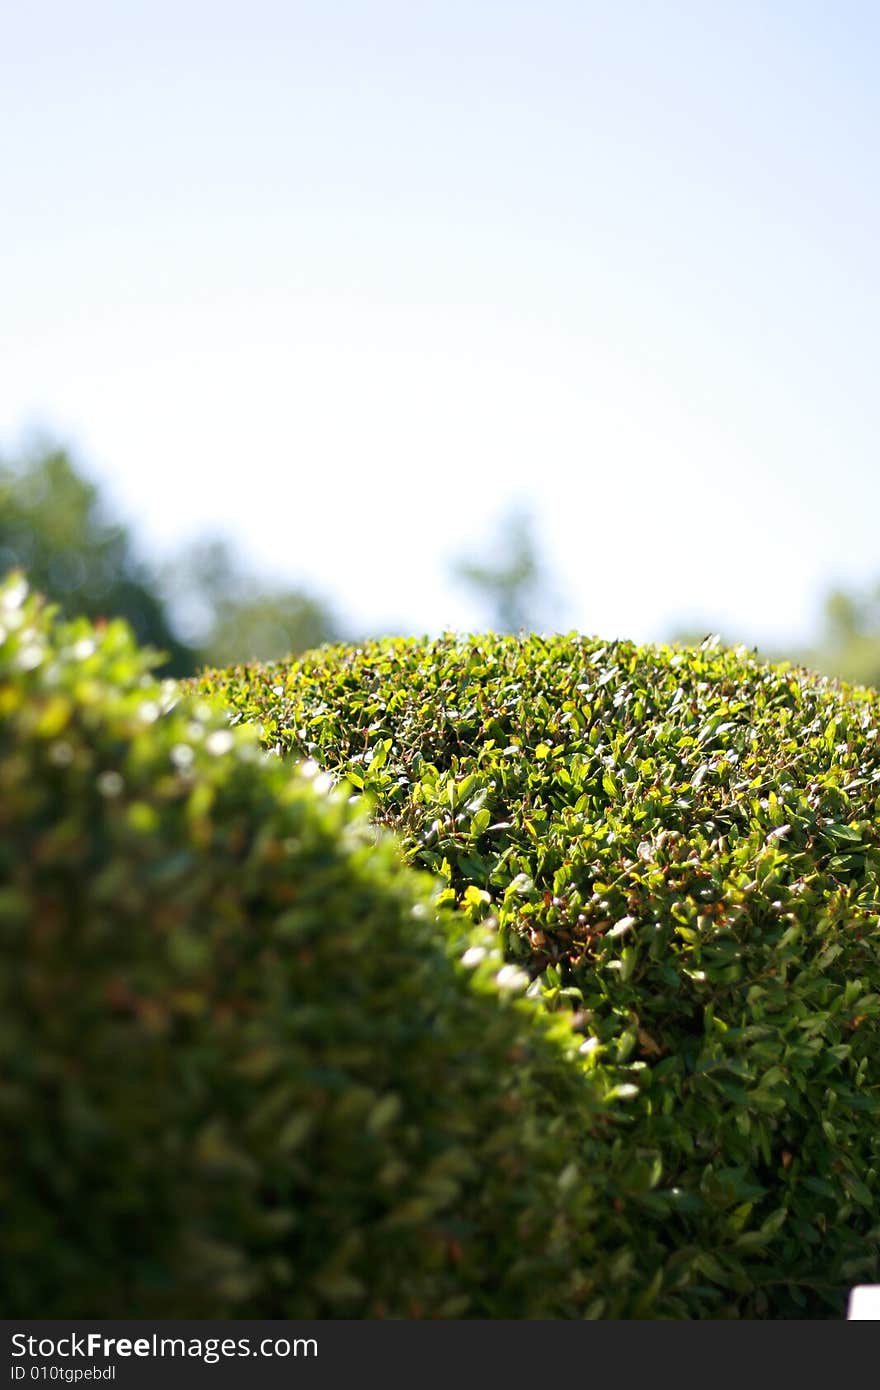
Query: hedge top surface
{"points": [[583, 768], [683, 845]]}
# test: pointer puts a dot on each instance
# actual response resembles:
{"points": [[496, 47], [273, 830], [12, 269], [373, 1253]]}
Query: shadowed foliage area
{"points": [[249, 1067]]}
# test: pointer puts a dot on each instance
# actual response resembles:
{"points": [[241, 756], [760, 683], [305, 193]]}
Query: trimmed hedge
{"points": [[246, 1071], [681, 846]]}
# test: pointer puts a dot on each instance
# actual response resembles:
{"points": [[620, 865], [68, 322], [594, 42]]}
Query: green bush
{"points": [[683, 848], [246, 1069]]}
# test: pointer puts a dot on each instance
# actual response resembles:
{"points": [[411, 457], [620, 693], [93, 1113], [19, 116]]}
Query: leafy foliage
{"points": [[682, 847], [248, 1068]]}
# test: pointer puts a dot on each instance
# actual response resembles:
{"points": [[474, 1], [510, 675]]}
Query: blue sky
{"points": [[343, 281]]}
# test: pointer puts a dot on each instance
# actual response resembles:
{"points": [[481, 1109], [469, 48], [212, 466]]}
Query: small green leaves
{"points": [[476, 902], [680, 848], [621, 928], [481, 822], [295, 1130], [383, 1112]]}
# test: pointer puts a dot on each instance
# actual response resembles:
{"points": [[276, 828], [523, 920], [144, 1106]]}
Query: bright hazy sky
{"points": [[344, 280]]}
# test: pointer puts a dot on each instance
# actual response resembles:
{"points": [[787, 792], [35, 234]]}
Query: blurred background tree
{"points": [[54, 527], [204, 606], [201, 608], [514, 587], [849, 644], [234, 616]]}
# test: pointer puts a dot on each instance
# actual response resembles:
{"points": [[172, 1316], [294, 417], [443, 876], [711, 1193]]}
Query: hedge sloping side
{"points": [[245, 1070], [683, 846]]}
